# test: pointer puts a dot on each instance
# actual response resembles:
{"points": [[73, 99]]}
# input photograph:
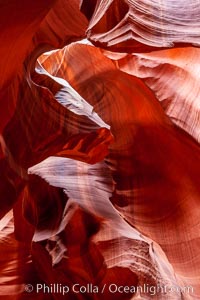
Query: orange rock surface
{"points": [[99, 150]]}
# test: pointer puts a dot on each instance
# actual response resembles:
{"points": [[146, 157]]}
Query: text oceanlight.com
{"points": [[112, 288]]}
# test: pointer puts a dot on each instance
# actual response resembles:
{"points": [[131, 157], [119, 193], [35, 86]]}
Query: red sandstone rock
{"points": [[99, 149]]}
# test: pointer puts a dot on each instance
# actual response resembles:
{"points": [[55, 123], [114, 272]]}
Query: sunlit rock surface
{"points": [[99, 149]]}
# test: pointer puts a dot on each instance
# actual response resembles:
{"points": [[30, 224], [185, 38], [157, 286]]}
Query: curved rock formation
{"points": [[132, 26], [99, 150]]}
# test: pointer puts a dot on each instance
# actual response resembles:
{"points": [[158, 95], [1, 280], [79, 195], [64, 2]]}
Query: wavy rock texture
{"points": [[99, 148], [173, 75], [138, 26]]}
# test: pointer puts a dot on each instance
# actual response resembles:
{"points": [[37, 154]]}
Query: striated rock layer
{"points": [[99, 150]]}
